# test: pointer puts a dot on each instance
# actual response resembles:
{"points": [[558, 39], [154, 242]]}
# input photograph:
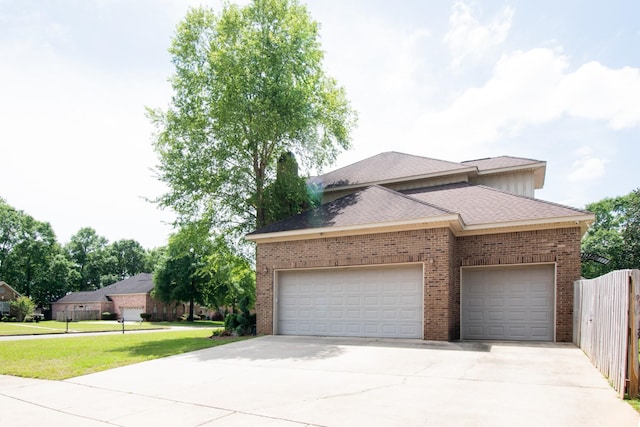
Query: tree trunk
{"points": [[190, 319]]}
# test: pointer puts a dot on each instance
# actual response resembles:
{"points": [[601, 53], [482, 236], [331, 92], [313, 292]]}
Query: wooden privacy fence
{"points": [[76, 315], [605, 326]]}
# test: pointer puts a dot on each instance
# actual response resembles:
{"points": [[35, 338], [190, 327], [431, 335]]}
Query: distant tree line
{"points": [[35, 264]]}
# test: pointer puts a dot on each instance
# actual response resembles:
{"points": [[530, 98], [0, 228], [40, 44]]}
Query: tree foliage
{"points": [[22, 307], [288, 195], [31, 260], [87, 250], [181, 275], [249, 85], [614, 235]]}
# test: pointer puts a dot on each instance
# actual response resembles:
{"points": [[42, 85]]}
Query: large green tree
{"points": [[249, 85], [31, 260], [181, 275], [88, 252], [130, 258], [613, 240]]}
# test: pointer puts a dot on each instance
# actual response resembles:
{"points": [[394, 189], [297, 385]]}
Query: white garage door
{"points": [[508, 303], [354, 302], [132, 314]]}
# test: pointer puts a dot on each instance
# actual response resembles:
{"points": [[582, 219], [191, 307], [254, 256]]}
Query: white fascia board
{"points": [[312, 233], [453, 221]]}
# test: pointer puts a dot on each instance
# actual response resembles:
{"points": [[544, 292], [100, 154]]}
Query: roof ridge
{"points": [[497, 190], [503, 156], [411, 198]]}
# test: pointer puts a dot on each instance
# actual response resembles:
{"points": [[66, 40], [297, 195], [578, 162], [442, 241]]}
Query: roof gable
{"points": [[388, 167], [7, 286]]}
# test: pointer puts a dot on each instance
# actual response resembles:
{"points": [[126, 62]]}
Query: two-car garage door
{"points": [[508, 303], [354, 302]]}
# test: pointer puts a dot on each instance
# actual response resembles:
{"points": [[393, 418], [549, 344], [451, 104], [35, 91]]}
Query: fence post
{"points": [[634, 316]]}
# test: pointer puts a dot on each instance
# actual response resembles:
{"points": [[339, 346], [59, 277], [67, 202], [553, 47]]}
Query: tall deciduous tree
{"points": [[181, 275], [86, 249], [30, 258], [248, 86], [614, 237], [129, 256]]}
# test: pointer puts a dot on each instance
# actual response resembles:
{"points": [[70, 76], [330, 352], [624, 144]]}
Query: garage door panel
{"points": [[508, 303], [369, 302]]}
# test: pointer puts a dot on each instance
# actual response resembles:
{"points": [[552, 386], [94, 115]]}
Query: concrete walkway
{"points": [[297, 381]]}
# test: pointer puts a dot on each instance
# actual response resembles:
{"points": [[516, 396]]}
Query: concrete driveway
{"points": [[294, 381]]}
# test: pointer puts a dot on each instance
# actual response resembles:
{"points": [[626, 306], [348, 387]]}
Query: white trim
{"points": [[453, 221]]}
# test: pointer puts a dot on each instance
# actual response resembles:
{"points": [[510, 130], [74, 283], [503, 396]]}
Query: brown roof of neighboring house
{"points": [[479, 204], [388, 167], [84, 296], [139, 284], [373, 204]]}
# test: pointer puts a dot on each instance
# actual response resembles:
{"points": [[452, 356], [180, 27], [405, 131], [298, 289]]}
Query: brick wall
{"points": [[441, 254], [432, 247], [561, 246]]}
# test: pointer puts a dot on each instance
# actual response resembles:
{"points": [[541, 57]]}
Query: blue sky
{"points": [[554, 81]]}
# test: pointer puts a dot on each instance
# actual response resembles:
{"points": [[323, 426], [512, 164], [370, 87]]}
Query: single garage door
{"points": [[353, 302], [132, 314], [508, 303]]}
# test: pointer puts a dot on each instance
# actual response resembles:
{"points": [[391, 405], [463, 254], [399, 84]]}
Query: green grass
{"points": [[635, 403], [62, 358], [54, 327]]}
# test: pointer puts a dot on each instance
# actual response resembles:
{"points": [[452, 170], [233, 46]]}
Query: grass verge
{"points": [[54, 327], [635, 403], [57, 359]]}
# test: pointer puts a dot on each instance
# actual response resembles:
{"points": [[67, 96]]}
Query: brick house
{"points": [[7, 294], [128, 298], [411, 247]]}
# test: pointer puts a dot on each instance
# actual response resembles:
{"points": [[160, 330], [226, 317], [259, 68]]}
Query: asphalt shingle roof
{"points": [[478, 204], [370, 205], [385, 167], [138, 284]]}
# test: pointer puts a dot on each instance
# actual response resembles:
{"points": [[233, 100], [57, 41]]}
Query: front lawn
{"points": [[62, 358], [54, 327]]}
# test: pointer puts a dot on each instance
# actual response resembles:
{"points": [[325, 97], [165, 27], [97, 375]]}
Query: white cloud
{"points": [[468, 38], [587, 169], [600, 93], [533, 88]]}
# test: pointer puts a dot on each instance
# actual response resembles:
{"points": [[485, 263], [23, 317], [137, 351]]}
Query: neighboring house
{"points": [[7, 294], [412, 247], [127, 298]]}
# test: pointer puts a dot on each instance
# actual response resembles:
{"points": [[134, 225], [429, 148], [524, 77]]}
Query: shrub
{"points": [[146, 316], [220, 332], [217, 316], [109, 316]]}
